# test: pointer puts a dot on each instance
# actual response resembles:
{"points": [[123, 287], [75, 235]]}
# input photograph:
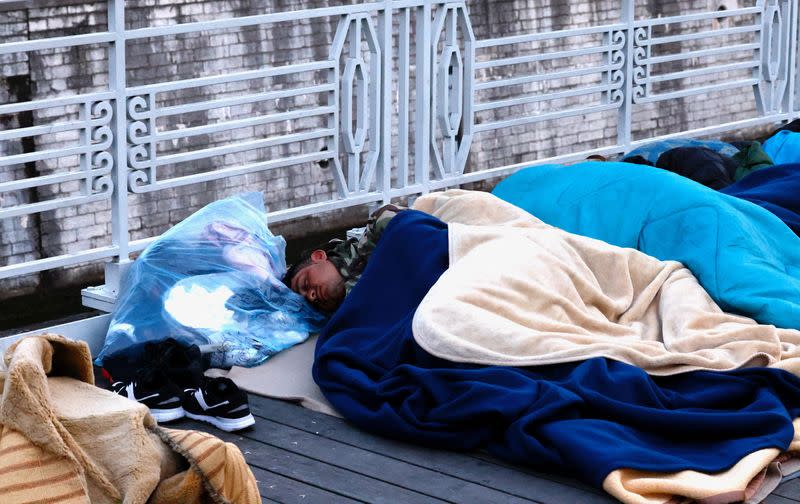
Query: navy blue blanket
{"points": [[583, 419], [776, 188]]}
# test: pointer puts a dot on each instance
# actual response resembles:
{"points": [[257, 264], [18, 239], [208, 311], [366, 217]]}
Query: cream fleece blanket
{"points": [[519, 292], [64, 440]]}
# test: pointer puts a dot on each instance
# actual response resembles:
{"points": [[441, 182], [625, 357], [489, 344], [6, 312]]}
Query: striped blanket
{"points": [[63, 440]]}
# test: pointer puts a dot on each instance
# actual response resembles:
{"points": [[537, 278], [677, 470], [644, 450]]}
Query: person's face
{"points": [[320, 283]]}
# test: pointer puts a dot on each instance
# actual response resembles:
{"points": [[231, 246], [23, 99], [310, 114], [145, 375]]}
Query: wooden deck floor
{"points": [[300, 456]]}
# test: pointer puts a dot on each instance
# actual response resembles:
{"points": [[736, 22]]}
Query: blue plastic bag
{"points": [[213, 280], [652, 150]]}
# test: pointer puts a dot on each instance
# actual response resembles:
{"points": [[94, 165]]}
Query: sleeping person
{"points": [[519, 292], [325, 275], [478, 326]]}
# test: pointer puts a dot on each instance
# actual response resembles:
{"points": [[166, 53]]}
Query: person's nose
{"points": [[311, 295]]}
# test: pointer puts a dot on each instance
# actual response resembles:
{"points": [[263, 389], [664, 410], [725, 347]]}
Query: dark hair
{"points": [[303, 261]]}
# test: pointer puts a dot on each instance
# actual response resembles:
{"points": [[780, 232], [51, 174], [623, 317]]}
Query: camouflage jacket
{"points": [[350, 256]]}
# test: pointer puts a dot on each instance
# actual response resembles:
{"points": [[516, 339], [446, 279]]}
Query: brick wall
{"points": [[19, 237], [45, 74]]}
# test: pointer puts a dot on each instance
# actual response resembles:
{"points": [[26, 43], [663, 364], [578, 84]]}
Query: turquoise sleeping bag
{"points": [[743, 255], [783, 147]]}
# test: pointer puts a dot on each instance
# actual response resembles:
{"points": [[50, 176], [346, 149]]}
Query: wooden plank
{"points": [[277, 488], [777, 499], [520, 482], [273, 487], [376, 465], [313, 472], [564, 480], [789, 489]]}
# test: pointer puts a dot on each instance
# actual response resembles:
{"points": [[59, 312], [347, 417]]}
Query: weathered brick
{"points": [[186, 56], [93, 231], [78, 223], [37, 25]]}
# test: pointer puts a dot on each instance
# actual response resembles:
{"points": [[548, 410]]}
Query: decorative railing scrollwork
{"points": [[640, 85], [138, 108], [99, 137], [103, 185], [772, 92], [617, 95], [640, 37], [639, 56], [102, 161], [140, 133], [618, 39], [452, 114], [359, 86], [139, 158], [101, 113], [614, 42], [640, 88], [137, 180]]}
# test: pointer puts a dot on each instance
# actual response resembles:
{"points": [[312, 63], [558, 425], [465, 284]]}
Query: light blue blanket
{"points": [[744, 256], [783, 147]]}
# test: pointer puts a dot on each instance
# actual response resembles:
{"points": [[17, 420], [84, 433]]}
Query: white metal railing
{"points": [[379, 143]]}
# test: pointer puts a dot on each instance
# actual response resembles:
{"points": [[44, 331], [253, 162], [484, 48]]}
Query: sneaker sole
{"points": [[167, 415], [225, 424]]}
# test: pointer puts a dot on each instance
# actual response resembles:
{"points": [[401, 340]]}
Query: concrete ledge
{"points": [[91, 330], [99, 298]]}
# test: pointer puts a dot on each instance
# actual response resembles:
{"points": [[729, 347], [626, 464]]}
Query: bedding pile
{"points": [[643, 438], [64, 440], [744, 257], [776, 189], [766, 175], [530, 294], [613, 322]]}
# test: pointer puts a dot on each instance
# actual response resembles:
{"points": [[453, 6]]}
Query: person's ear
{"points": [[318, 256]]}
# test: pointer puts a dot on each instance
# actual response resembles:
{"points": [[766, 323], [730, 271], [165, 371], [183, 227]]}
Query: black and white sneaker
{"points": [[220, 403], [183, 364], [152, 388]]}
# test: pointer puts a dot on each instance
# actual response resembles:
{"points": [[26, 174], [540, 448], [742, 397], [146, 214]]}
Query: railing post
{"points": [[624, 125], [794, 84], [403, 94], [116, 269], [105, 296], [384, 175], [422, 123]]}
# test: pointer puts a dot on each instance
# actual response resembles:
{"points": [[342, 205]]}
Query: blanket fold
{"points": [[743, 255], [91, 445], [775, 189], [522, 293]]}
